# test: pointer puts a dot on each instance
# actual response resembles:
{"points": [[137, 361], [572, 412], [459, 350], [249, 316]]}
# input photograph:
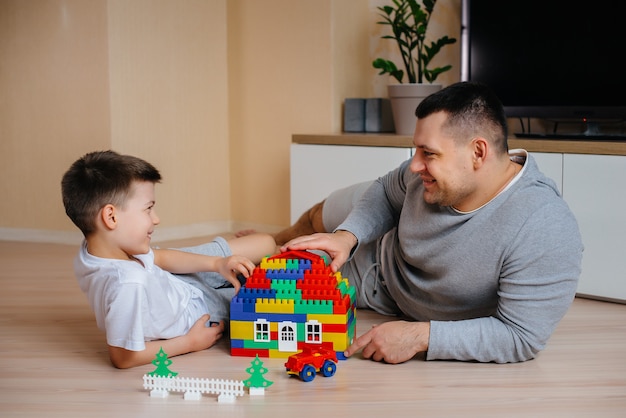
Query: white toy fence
{"points": [[193, 387]]}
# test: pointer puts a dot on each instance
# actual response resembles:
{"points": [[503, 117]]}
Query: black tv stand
{"points": [[593, 131], [572, 137]]}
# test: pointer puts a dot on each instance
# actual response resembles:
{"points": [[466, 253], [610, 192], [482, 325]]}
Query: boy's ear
{"points": [[108, 214]]}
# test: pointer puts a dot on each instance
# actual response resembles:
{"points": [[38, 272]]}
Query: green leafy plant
{"points": [[409, 21]]}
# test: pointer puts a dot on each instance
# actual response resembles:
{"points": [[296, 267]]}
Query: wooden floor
{"points": [[53, 363]]}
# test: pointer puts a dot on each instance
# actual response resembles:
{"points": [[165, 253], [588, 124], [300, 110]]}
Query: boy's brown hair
{"points": [[100, 178]]}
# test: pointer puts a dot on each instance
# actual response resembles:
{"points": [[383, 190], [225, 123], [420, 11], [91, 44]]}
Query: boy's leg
{"points": [[219, 247], [253, 246], [215, 288]]}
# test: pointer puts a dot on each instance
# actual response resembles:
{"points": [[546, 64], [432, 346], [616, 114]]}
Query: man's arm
{"points": [[537, 284], [199, 337], [379, 207]]}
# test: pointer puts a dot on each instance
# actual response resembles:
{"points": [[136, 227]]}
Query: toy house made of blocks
{"points": [[290, 301]]}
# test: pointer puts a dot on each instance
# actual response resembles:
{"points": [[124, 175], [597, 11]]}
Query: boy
{"points": [[144, 298]]}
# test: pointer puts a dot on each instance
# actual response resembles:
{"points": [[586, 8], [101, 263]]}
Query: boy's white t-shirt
{"points": [[134, 303]]}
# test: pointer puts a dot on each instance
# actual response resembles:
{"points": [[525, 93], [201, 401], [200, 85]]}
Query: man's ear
{"points": [[108, 216], [480, 149]]}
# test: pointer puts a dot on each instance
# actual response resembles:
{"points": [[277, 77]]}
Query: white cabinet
{"points": [[594, 186], [317, 170], [551, 164]]}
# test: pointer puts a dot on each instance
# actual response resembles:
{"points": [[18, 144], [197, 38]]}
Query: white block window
{"points": [[261, 330], [313, 332]]}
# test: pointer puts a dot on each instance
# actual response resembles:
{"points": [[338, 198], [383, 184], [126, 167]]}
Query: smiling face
{"points": [[445, 166], [136, 219]]}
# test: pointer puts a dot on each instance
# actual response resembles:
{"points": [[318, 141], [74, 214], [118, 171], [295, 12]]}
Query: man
{"points": [[467, 242]]}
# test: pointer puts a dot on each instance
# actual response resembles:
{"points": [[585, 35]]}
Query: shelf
{"points": [[597, 147]]}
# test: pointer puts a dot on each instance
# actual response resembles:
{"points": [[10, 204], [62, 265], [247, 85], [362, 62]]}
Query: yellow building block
{"points": [[276, 264], [241, 330], [280, 354], [265, 305], [329, 318], [339, 340]]}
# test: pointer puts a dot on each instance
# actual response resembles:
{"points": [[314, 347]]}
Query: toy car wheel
{"points": [[329, 368], [308, 373]]}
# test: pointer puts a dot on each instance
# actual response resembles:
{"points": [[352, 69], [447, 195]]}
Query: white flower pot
{"points": [[404, 100]]}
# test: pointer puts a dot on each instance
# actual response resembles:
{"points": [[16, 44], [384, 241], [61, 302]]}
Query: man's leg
{"points": [[326, 215], [309, 222]]}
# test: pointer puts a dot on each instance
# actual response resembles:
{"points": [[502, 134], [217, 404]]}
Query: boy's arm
{"points": [[199, 337], [181, 262]]}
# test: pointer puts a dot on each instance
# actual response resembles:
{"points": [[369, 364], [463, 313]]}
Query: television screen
{"points": [[559, 60]]}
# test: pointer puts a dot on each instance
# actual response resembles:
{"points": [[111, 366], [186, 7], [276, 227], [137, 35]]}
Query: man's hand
{"points": [[392, 342], [338, 245]]}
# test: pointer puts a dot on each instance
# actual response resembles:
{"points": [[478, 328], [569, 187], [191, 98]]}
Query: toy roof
{"points": [[307, 255]]}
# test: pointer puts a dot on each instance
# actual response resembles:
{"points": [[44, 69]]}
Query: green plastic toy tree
{"points": [[162, 364], [256, 371]]}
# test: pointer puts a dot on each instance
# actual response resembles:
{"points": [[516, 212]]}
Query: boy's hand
{"points": [[229, 267], [201, 337]]}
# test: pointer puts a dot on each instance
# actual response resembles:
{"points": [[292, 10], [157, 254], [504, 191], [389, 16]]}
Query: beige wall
{"points": [[280, 82], [210, 91], [168, 92], [54, 103]]}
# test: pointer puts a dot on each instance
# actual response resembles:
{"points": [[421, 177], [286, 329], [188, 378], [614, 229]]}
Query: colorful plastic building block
{"points": [[290, 301], [310, 361]]}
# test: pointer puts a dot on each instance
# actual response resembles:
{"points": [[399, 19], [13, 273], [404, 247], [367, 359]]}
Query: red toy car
{"points": [[310, 360]]}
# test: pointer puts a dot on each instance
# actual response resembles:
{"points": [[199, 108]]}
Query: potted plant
{"points": [[409, 20]]}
